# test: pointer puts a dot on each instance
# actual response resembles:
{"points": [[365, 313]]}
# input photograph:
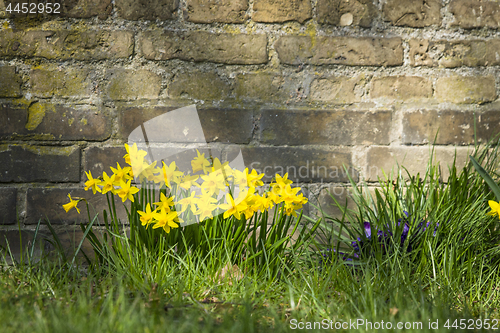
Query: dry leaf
{"points": [[231, 272], [393, 311]]}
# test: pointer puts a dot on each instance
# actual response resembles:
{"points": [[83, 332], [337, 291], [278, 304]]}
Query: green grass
{"points": [[451, 275]]}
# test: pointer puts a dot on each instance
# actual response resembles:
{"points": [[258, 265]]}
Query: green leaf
{"points": [[487, 178]]}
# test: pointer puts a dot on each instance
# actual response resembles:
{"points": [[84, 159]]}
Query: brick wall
{"points": [[316, 84]]}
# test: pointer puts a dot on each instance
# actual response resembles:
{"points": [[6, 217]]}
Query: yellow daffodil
{"points": [[170, 174], [200, 163], [495, 208], [189, 181], [231, 208], [281, 182], [206, 206], [147, 216], [134, 158], [289, 194], [107, 183], [121, 174], [149, 171], [213, 182], [165, 203], [254, 179], [126, 191], [72, 204], [166, 220], [189, 202], [92, 183]]}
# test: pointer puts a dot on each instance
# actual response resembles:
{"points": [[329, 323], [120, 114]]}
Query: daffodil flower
{"points": [[92, 183], [126, 191], [121, 174], [134, 156], [189, 202], [200, 163], [254, 179], [147, 216], [107, 183], [231, 208], [166, 220], [165, 203], [495, 208], [72, 204], [213, 182], [189, 181], [170, 174]]}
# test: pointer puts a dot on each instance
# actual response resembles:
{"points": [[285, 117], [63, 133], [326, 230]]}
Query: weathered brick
{"points": [[322, 199], [277, 11], [413, 13], [466, 89], [46, 203], [99, 159], [8, 202], [124, 84], [39, 164], [67, 44], [346, 12], [302, 164], [211, 125], [455, 127], [204, 46], [325, 127], [414, 159], [198, 85], [401, 87], [53, 81], [338, 90], [271, 87], [70, 237], [42, 121], [87, 8], [424, 52], [10, 82], [209, 11], [475, 13], [15, 239], [146, 10], [363, 51], [259, 86]]}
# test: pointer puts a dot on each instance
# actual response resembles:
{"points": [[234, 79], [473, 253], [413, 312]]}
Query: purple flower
{"points": [[368, 229]]}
